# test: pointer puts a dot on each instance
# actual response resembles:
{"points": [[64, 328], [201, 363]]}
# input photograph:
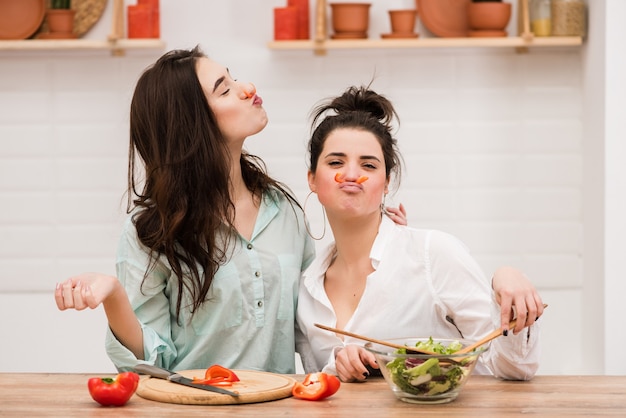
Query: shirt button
{"points": [[259, 304], [257, 274], [249, 246]]}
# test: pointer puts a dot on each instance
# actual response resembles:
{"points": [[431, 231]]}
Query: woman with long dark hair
{"points": [[211, 254]]}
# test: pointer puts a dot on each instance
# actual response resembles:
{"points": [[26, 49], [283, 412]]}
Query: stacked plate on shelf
{"points": [[20, 19]]}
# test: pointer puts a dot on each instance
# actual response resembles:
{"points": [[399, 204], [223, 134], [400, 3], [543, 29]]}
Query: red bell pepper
{"points": [[116, 391], [217, 375], [316, 386]]}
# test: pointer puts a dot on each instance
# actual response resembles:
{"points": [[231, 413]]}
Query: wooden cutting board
{"points": [[253, 387]]}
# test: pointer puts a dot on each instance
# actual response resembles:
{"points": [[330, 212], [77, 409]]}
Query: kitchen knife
{"points": [[160, 373]]}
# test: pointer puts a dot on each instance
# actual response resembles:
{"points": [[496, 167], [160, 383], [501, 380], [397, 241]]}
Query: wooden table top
{"points": [[66, 395]]}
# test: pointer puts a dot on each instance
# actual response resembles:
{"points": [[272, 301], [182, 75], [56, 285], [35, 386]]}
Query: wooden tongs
{"points": [[373, 340], [494, 334]]}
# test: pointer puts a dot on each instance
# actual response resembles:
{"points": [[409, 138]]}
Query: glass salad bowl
{"points": [[426, 378]]}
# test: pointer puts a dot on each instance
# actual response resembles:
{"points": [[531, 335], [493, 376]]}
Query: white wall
{"points": [[615, 187], [494, 143]]}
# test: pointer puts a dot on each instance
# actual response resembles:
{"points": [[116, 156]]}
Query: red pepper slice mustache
{"points": [[339, 178], [250, 93]]}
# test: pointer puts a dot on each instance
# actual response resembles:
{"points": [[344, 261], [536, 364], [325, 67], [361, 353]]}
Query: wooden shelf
{"points": [[511, 42], [117, 47], [320, 42]]}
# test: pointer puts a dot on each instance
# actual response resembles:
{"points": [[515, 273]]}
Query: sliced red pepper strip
{"points": [[316, 386], [212, 382], [217, 375], [116, 391], [217, 371]]}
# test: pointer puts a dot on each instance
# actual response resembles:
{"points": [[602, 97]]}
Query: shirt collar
{"points": [[268, 210], [315, 273]]}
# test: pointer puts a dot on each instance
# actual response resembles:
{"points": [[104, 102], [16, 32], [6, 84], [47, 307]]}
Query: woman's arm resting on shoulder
{"points": [[398, 215], [89, 290]]}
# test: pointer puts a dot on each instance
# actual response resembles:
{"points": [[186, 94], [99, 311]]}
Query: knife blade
{"points": [[160, 373]]}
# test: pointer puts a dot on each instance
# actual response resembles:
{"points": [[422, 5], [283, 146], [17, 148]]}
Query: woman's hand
{"points": [[398, 215], [517, 298], [351, 361], [90, 290], [87, 290]]}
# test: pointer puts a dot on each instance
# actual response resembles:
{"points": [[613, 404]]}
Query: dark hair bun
{"points": [[361, 99]]}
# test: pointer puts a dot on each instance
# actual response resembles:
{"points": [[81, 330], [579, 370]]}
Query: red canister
{"points": [[303, 17], [139, 21], [285, 23], [156, 17]]}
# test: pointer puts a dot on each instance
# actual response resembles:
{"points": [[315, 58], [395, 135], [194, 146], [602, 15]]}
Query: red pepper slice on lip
{"points": [[217, 375], [116, 391], [339, 178], [316, 386]]}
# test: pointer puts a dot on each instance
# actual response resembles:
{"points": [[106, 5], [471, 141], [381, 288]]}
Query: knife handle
{"points": [[153, 371]]}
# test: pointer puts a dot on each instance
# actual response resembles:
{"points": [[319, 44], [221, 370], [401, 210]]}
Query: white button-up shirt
{"points": [[425, 284]]}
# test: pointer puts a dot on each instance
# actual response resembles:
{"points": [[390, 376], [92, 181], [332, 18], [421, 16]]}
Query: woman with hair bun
{"points": [[386, 280]]}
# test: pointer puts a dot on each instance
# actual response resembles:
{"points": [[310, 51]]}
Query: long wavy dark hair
{"points": [[358, 108], [185, 211]]}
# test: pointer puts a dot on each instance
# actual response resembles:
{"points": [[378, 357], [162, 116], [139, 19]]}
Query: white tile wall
{"points": [[491, 139]]}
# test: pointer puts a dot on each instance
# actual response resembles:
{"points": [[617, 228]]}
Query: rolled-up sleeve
{"points": [[149, 301]]}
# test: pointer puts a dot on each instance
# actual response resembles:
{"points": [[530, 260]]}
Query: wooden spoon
{"points": [[373, 340], [493, 335]]}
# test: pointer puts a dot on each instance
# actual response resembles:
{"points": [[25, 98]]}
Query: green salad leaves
{"points": [[432, 376]]}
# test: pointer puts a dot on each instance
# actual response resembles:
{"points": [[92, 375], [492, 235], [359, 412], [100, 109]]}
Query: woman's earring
{"points": [[383, 206], [306, 221]]}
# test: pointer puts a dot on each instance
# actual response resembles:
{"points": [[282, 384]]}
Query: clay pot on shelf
{"points": [[488, 18], [402, 23], [60, 24], [350, 20]]}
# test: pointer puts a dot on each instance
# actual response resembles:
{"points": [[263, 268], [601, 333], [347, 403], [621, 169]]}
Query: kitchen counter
{"points": [[66, 395]]}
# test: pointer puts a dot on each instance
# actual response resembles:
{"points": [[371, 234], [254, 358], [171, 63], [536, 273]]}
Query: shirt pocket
{"points": [[223, 308], [290, 267]]}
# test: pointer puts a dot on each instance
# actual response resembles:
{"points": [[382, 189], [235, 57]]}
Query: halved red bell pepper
{"points": [[316, 386], [217, 375], [116, 391]]}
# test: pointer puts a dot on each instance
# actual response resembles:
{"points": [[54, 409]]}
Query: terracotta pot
{"points": [[403, 21], [61, 22], [492, 16], [353, 18]]}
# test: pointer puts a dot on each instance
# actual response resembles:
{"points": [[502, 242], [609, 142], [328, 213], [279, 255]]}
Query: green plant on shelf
{"points": [[61, 4]]}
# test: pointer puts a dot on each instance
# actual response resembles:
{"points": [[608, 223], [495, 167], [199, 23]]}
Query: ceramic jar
{"points": [[569, 18], [540, 23]]}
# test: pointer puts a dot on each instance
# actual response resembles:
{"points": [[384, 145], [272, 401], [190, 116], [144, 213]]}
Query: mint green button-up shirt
{"points": [[248, 319]]}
